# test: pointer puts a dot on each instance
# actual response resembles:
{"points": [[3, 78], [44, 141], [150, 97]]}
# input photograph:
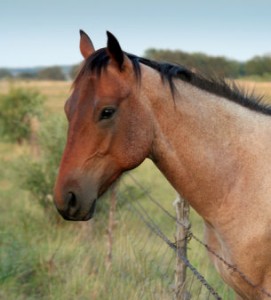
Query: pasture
{"points": [[40, 259]]}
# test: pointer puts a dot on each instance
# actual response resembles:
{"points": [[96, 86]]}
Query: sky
{"points": [[43, 33]]}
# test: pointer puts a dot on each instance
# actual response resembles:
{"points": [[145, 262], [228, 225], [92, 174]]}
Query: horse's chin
{"points": [[107, 185], [91, 212]]}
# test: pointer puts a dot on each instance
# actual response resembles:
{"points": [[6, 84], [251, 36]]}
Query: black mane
{"points": [[99, 61]]}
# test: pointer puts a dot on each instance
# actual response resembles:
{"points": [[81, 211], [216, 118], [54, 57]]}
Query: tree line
{"points": [[49, 73], [219, 65], [259, 66]]}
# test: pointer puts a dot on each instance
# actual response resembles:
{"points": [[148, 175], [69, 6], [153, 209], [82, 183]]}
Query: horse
{"points": [[209, 138]]}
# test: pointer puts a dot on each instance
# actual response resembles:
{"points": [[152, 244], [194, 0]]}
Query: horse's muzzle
{"points": [[73, 210]]}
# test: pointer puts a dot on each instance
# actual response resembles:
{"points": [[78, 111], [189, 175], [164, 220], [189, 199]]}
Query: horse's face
{"points": [[109, 132]]}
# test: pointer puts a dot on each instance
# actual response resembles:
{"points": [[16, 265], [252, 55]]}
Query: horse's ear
{"points": [[86, 46], [114, 50]]}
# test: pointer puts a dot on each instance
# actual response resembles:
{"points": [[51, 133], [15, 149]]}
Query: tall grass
{"points": [[40, 259]]}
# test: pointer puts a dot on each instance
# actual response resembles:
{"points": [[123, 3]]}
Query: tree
{"points": [[203, 63], [74, 71], [5, 73], [17, 109], [51, 73], [258, 65], [27, 75]]}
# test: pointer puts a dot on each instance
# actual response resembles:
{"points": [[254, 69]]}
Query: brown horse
{"points": [[211, 141]]}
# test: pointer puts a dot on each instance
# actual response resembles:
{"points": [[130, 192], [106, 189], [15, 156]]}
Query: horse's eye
{"points": [[107, 113]]}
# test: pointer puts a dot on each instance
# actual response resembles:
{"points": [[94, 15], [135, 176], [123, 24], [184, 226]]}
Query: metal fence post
{"points": [[182, 214]]}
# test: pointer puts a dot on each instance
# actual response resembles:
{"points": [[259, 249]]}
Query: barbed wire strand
{"points": [[191, 235], [148, 221]]}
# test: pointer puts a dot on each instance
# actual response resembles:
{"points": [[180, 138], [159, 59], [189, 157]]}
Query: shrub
{"points": [[38, 176], [17, 109]]}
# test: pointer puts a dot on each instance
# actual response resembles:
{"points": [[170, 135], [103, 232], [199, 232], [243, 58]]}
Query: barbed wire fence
{"points": [[159, 250], [183, 235]]}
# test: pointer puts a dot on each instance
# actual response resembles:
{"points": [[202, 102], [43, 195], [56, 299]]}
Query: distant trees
{"points": [[5, 73], [74, 71], [51, 73], [259, 66], [198, 61], [221, 66], [27, 75]]}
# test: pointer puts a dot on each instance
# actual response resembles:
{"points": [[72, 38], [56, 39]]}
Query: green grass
{"points": [[42, 259]]}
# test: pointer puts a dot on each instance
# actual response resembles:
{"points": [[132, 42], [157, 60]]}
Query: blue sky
{"points": [[40, 33]]}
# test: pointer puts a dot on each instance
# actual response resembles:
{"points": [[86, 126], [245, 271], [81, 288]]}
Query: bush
{"points": [[17, 110], [38, 176]]}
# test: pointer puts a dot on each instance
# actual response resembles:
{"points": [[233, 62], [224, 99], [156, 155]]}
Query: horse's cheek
{"points": [[134, 146]]}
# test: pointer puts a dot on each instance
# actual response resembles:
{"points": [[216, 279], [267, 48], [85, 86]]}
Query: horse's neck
{"points": [[202, 144]]}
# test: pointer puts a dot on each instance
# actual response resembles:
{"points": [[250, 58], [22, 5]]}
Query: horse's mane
{"points": [[214, 85]]}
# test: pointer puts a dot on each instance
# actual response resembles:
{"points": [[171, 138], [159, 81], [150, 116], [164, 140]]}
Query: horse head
{"points": [[109, 129]]}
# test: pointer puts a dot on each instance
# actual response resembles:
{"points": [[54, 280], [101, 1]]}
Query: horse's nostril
{"points": [[70, 205], [71, 200]]}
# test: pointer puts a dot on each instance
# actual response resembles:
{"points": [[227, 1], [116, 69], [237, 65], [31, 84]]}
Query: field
{"points": [[45, 259]]}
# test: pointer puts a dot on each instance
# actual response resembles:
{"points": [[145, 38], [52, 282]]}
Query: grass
{"points": [[45, 260], [40, 259], [260, 88], [56, 92]]}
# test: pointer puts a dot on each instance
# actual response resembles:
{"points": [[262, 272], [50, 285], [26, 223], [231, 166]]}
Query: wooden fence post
{"points": [[34, 128], [182, 214], [111, 224]]}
